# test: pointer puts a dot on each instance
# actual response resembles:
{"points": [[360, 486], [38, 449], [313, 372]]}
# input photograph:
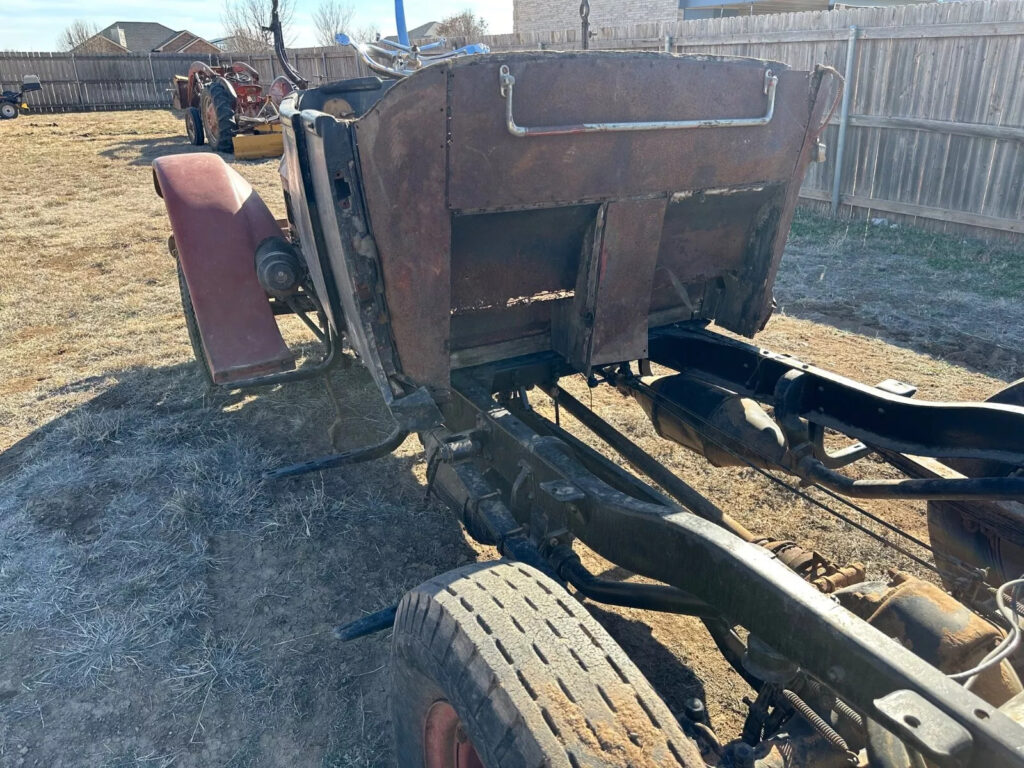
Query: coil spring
{"points": [[817, 722], [844, 709]]}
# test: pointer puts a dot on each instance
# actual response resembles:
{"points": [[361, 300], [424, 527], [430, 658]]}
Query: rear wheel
{"points": [[496, 665], [956, 528], [218, 108], [8, 111], [194, 126]]}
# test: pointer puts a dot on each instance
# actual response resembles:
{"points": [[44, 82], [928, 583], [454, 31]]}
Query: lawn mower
{"points": [[478, 228], [227, 107], [12, 102]]}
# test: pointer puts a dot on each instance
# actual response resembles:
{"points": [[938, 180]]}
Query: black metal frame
{"points": [[532, 493], [807, 400]]}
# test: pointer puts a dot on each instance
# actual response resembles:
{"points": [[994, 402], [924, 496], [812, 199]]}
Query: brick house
{"points": [[145, 37]]}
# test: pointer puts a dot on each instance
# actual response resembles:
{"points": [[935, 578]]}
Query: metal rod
{"points": [[378, 451], [644, 462], [844, 116], [649, 597], [368, 625], [933, 489], [403, 30]]}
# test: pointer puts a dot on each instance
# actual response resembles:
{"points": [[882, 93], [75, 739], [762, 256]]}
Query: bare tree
{"points": [[75, 34], [464, 24], [367, 34], [332, 17], [245, 23]]}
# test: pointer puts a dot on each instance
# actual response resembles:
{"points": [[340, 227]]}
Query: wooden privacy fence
{"points": [[932, 129], [82, 82]]}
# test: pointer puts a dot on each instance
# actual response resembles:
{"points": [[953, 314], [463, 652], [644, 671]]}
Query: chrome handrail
{"points": [[508, 81], [406, 60]]}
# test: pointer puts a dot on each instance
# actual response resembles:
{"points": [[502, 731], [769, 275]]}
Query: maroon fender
{"points": [[218, 220]]}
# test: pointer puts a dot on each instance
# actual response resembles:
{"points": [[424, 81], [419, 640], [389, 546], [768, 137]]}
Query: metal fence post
{"points": [[78, 81], [152, 73], [844, 116]]}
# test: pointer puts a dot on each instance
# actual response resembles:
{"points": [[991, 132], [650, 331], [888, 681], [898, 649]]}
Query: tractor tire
{"points": [[8, 111], [195, 339], [497, 665], [218, 108], [194, 127], [955, 533]]}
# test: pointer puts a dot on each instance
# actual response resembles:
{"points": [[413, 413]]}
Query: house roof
{"points": [[421, 32], [147, 36], [139, 36], [425, 30]]}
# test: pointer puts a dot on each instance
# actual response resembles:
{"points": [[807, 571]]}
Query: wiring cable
{"points": [[1008, 644]]}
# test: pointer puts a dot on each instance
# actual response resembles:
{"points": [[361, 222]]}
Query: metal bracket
{"points": [[507, 83], [916, 721]]}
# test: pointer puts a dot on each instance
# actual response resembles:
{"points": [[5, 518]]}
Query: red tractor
{"points": [[225, 103]]}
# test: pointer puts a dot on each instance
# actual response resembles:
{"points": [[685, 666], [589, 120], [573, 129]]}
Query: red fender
{"points": [[218, 221]]}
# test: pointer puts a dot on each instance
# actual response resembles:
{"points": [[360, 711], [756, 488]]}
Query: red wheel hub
{"points": [[445, 742]]}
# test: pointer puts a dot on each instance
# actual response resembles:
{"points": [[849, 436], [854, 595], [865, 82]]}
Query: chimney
{"points": [[120, 37]]}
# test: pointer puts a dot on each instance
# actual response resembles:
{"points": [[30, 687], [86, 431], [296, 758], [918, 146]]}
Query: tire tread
{"points": [[536, 680]]}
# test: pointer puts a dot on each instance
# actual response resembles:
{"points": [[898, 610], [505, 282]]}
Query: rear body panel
{"points": [[485, 245]]}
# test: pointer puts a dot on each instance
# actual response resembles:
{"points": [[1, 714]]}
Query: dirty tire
{"points": [[8, 111], [954, 534], [193, 331], [533, 678], [194, 126], [218, 108]]}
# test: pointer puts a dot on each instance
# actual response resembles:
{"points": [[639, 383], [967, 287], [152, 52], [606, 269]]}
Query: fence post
{"points": [[78, 81], [152, 73], [323, 55], [844, 116]]}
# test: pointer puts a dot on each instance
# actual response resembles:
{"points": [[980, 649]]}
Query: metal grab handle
{"points": [[508, 82]]}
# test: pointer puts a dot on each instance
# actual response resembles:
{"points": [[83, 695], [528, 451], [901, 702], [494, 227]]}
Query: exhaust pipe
{"points": [[718, 424]]}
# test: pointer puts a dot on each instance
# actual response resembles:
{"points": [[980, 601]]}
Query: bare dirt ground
{"points": [[162, 605]]}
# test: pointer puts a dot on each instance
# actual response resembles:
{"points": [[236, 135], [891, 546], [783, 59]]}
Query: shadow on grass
{"points": [[144, 151], [152, 574]]}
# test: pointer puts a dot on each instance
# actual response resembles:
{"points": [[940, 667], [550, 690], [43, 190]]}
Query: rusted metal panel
{"points": [[218, 220], [492, 169], [472, 221], [608, 319], [704, 237], [536, 253], [402, 147]]}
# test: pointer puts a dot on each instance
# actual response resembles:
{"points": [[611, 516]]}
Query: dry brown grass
{"points": [[159, 603]]}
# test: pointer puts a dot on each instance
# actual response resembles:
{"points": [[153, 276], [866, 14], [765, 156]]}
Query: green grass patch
{"points": [[993, 269]]}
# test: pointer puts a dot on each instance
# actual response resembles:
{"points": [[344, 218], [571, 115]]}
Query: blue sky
{"points": [[33, 25]]}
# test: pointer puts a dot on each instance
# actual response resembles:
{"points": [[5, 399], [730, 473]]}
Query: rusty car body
{"points": [[489, 224]]}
